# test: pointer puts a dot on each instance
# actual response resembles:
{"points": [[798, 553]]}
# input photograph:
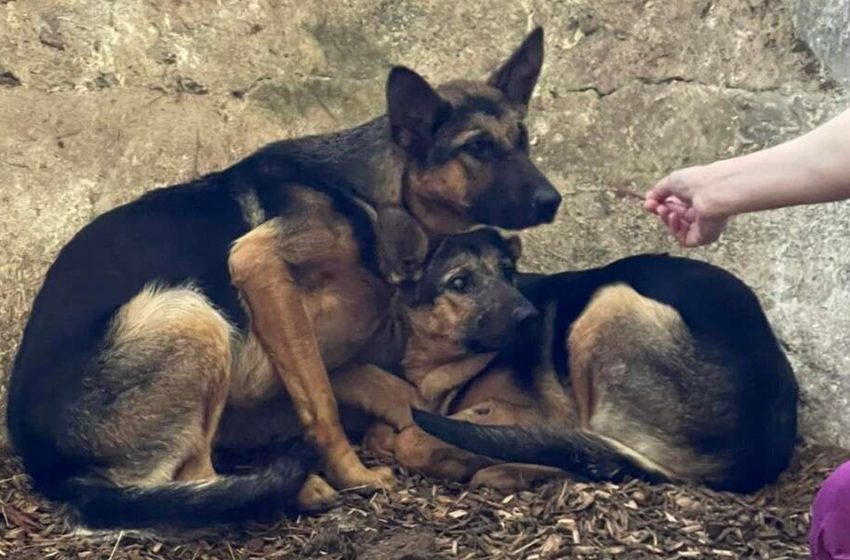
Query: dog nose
{"points": [[525, 315], [546, 202]]}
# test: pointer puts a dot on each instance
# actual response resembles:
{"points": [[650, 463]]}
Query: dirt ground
{"points": [[425, 519]]}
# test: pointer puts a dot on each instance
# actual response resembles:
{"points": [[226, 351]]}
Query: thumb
{"points": [[661, 191]]}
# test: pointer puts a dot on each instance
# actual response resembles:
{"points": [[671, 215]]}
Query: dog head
{"points": [[466, 147], [466, 298]]}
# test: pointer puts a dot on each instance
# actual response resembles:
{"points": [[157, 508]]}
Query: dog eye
{"points": [[482, 147], [459, 283]]}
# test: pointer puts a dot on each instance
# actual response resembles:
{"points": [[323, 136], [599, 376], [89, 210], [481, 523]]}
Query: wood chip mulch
{"points": [[427, 520]]}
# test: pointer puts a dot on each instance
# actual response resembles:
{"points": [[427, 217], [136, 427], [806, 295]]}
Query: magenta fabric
{"points": [[829, 538]]}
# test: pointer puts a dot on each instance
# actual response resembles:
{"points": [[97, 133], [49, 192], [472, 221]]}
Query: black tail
{"points": [[265, 495], [578, 452]]}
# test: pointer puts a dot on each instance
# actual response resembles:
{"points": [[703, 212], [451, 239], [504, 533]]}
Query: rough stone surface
{"points": [[825, 26], [100, 101]]}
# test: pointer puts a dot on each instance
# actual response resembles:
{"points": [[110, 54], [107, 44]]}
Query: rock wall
{"points": [[825, 26], [100, 101]]}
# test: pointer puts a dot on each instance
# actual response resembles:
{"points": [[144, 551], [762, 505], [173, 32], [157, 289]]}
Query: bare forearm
{"points": [[810, 169]]}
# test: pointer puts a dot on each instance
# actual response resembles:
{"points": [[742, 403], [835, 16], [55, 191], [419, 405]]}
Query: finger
{"points": [[674, 223], [660, 191], [651, 205], [676, 203]]}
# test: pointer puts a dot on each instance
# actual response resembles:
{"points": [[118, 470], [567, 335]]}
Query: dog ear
{"points": [[518, 75], [514, 244], [415, 110]]}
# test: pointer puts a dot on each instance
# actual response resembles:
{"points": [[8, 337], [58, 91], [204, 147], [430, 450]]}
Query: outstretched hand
{"points": [[678, 199]]}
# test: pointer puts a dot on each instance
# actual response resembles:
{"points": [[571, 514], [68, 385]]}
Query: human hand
{"points": [[683, 202]]}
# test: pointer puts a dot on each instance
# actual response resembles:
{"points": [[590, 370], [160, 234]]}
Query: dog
{"points": [[256, 279], [653, 366], [459, 302]]}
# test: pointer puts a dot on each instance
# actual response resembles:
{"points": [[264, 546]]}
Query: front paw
{"points": [[356, 476], [316, 494], [380, 440]]}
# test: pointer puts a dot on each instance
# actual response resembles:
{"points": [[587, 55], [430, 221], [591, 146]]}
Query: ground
{"points": [[425, 519]]}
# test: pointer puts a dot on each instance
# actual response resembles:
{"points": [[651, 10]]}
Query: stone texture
{"points": [[825, 27], [100, 101]]}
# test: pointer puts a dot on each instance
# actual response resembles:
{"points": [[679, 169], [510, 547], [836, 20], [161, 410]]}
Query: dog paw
{"points": [[380, 440], [510, 477], [316, 494], [362, 479]]}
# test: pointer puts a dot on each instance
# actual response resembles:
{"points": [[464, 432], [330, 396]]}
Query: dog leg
{"points": [[377, 393], [442, 380], [513, 477], [158, 389], [283, 327]]}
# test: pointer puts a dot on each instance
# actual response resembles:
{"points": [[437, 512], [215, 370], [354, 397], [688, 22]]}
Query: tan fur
{"points": [[513, 477], [299, 279], [621, 322], [436, 332], [180, 326], [441, 196], [384, 396], [586, 335], [492, 399]]}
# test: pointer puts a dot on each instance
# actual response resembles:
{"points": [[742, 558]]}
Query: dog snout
{"points": [[525, 315], [546, 202]]}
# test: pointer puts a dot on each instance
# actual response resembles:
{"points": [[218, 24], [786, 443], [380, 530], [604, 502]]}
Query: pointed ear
{"points": [[514, 244], [518, 75], [415, 110]]}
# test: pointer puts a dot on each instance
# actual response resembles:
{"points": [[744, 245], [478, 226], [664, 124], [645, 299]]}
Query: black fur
{"points": [[258, 497]]}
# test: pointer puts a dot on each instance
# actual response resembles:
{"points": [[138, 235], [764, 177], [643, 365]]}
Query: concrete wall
{"points": [[100, 101]]}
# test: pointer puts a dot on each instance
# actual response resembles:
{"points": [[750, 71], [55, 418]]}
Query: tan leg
{"points": [[416, 450], [513, 477], [377, 393], [435, 384], [199, 466], [283, 327]]}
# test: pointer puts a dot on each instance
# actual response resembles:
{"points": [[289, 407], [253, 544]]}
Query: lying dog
{"points": [[242, 283], [653, 366]]}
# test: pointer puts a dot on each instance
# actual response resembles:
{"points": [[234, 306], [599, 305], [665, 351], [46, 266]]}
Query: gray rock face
{"points": [[825, 26], [100, 101]]}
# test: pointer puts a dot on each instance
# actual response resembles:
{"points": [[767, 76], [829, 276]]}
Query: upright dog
{"points": [[653, 366], [253, 279]]}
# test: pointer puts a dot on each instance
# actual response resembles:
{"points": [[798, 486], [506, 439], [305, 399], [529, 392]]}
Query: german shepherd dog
{"points": [[255, 279], [653, 366]]}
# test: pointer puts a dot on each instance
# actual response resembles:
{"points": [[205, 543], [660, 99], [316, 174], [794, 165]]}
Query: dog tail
{"points": [[264, 495], [578, 452]]}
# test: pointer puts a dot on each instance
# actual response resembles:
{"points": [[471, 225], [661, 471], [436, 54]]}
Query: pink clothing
{"points": [[829, 538]]}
